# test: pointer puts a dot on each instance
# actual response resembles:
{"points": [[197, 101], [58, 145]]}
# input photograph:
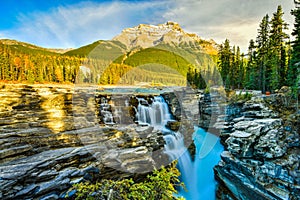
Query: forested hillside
{"points": [[150, 65], [102, 62], [271, 62], [23, 62]]}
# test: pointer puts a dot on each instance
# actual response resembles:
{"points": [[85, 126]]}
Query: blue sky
{"points": [[73, 23]]}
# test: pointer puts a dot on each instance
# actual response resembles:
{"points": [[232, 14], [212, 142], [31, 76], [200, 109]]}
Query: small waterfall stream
{"points": [[196, 174], [105, 109], [156, 114]]}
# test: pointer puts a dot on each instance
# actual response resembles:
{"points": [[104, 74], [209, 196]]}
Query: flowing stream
{"points": [[197, 174]]}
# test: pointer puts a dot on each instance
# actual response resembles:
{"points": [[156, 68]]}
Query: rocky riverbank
{"points": [[262, 150], [51, 138]]}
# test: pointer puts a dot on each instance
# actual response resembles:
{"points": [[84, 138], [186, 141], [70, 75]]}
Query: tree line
{"points": [[271, 62], [20, 63], [29, 65]]}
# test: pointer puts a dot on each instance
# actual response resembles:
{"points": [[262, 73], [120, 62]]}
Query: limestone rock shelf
{"points": [[50, 138], [262, 151]]}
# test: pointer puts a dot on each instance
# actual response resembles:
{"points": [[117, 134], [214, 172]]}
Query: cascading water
{"points": [[174, 144], [156, 114], [105, 110], [197, 175]]}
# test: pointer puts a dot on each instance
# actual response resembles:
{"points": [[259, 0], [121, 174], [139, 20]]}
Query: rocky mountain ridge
{"points": [[139, 37], [171, 33]]}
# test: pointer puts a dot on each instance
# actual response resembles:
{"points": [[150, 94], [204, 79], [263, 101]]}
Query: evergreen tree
{"points": [[233, 68], [294, 68], [224, 63], [251, 67], [239, 66], [262, 53], [278, 52], [241, 71]]}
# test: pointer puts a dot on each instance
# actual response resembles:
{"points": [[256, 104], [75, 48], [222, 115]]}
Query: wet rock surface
{"points": [[51, 138], [213, 112], [262, 152]]}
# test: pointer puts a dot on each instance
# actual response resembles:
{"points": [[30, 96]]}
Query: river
{"points": [[198, 174]]}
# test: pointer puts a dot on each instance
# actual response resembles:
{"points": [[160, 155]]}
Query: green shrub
{"points": [[160, 184], [233, 98]]}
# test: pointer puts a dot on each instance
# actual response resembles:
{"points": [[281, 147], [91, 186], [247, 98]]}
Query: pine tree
{"points": [[251, 67], [278, 52], [239, 73], [294, 68], [233, 68], [262, 53], [224, 62]]}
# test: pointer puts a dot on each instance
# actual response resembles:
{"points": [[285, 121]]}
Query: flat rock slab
{"points": [[42, 173]]}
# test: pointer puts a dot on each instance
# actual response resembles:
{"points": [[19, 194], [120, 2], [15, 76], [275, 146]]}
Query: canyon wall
{"points": [[51, 138], [262, 155]]}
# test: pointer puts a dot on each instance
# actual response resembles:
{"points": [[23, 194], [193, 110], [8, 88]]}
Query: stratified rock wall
{"points": [[262, 153], [50, 139]]}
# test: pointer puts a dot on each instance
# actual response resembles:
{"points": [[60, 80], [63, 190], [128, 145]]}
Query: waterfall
{"points": [[156, 114], [105, 110], [197, 175], [174, 146]]}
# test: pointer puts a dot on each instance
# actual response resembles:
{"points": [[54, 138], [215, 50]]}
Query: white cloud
{"points": [[86, 22], [2, 35], [83, 23], [236, 20]]}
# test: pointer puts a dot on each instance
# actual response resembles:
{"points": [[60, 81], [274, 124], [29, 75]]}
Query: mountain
{"points": [[100, 49], [165, 46], [168, 36], [26, 47], [145, 36], [162, 53], [84, 50]]}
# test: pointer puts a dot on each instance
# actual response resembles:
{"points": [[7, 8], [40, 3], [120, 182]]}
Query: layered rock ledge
{"points": [[262, 151], [51, 138]]}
